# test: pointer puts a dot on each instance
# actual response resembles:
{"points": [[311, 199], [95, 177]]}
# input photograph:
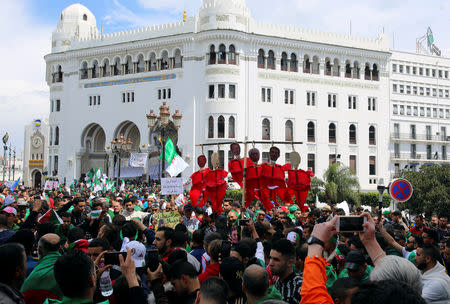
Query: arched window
{"points": [[95, 69], [59, 75], [165, 61], [372, 136], [106, 68], [84, 71], [152, 62], [85, 17], [271, 60], [211, 127], [348, 70], [336, 68], [352, 134], [311, 132], [232, 55], [222, 54], [178, 59], [129, 65], [117, 67], [140, 64], [375, 72], [356, 69], [306, 65], [221, 127], [294, 63], [288, 130], [212, 54], [56, 136], [332, 133], [284, 61], [231, 127], [265, 129], [261, 59], [327, 67], [367, 72]]}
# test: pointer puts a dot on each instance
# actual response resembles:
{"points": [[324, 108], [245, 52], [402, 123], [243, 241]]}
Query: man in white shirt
{"points": [[436, 283]]}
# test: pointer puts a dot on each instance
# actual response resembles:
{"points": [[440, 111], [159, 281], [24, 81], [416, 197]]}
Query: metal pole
{"points": [[9, 163], [14, 163], [5, 147], [380, 189], [163, 141], [118, 171]]}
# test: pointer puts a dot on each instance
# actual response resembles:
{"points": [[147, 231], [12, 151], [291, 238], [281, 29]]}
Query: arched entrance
{"points": [[37, 178], [93, 142], [130, 131]]}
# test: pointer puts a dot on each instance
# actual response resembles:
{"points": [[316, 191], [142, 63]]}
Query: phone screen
{"points": [[152, 259], [351, 223], [112, 258]]}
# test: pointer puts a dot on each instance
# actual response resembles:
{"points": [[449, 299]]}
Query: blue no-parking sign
{"points": [[400, 190]]}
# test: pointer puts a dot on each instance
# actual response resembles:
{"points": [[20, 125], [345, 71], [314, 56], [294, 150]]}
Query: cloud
{"points": [[23, 91]]}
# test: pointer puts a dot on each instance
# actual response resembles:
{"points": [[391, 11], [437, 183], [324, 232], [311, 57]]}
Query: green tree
{"points": [[341, 184], [316, 187], [431, 192]]}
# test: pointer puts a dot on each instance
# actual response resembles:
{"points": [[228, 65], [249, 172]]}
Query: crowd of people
{"points": [[77, 246]]}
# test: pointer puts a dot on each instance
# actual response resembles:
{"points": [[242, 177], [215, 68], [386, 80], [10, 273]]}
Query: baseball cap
{"points": [[293, 237], [354, 260], [10, 210], [268, 227], [293, 208], [137, 253], [22, 202], [9, 200], [231, 270]]}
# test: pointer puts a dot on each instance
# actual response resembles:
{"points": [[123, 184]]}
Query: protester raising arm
{"points": [[370, 243], [391, 240], [136, 293], [314, 288]]}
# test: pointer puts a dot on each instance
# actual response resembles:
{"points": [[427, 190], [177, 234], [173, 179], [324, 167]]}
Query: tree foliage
{"points": [[341, 184], [371, 199], [431, 192]]}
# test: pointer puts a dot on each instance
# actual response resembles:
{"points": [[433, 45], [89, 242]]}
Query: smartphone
{"points": [[243, 222], [350, 224], [152, 259], [112, 258]]}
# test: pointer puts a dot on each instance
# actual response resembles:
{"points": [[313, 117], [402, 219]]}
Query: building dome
{"points": [[75, 22], [77, 13], [224, 14]]}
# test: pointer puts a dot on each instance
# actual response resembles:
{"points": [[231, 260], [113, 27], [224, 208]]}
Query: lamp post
{"points": [[14, 163], [380, 188], [5, 147], [9, 163], [120, 147], [164, 121]]}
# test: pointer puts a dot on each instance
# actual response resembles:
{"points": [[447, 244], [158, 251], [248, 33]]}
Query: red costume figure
{"points": [[253, 173], [273, 179], [199, 183], [216, 185], [299, 181], [299, 184], [236, 166]]}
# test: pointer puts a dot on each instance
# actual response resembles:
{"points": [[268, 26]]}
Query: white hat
{"points": [[137, 252]]}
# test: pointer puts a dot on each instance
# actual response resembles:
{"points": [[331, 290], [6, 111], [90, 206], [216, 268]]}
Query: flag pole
{"points": [[244, 173]]}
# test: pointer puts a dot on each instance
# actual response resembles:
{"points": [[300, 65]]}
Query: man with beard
{"points": [[436, 283], [183, 277], [14, 268], [163, 242]]}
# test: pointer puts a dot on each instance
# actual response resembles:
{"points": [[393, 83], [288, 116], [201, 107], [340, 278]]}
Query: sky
{"points": [[26, 27]]}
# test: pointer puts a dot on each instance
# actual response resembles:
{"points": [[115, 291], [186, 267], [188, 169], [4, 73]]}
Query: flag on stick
{"points": [[176, 163]]}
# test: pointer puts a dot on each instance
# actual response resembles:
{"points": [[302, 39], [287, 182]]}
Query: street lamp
{"points": [[5, 147], [164, 121], [120, 147], [380, 188]]}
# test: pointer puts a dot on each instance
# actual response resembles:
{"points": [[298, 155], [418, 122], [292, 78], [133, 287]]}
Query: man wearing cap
{"points": [[356, 267], [5, 232], [231, 270], [11, 213]]}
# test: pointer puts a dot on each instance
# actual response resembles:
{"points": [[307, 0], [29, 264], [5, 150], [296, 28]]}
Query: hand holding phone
{"points": [[112, 258], [350, 224]]}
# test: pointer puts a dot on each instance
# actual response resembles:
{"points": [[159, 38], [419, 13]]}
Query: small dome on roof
{"points": [[77, 13]]}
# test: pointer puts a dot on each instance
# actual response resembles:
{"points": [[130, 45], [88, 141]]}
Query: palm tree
{"points": [[341, 184]]}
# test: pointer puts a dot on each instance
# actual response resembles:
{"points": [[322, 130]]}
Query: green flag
{"points": [[170, 152]]}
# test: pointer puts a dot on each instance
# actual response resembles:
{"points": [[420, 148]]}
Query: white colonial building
{"points": [[420, 111], [34, 157], [231, 77]]}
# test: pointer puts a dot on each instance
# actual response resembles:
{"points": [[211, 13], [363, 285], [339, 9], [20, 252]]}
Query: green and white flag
{"points": [[176, 163]]}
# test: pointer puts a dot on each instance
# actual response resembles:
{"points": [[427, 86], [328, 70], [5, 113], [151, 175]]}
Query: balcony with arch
{"points": [[222, 55]]}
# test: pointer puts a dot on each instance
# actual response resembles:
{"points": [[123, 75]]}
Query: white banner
{"points": [[138, 160], [51, 185], [171, 185]]}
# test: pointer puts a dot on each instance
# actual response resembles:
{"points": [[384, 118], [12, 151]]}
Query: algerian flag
{"points": [[50, 216], [176, 163], [95, 213]]}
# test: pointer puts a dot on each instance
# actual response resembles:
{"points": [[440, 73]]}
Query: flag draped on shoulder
{"points": [[176, 163]]}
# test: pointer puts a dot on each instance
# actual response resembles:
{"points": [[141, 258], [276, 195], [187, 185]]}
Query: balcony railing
{"points": [[422, 137], [423, 157]]}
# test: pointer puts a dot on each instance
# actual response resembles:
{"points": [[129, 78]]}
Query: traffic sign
{"points": [[400, 190]]}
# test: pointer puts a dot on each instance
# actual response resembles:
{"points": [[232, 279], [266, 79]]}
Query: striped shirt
{"points": [[290, 288]]}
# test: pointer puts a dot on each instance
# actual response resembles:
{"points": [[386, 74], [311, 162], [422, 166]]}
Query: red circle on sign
{"points": [[401, 190]]}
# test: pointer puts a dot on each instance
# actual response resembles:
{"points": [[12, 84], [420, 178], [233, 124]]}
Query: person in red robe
{"points": [[236, 165], [198, 179], [216, 185], [253, 173], [273, 179], [299, 181]]}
